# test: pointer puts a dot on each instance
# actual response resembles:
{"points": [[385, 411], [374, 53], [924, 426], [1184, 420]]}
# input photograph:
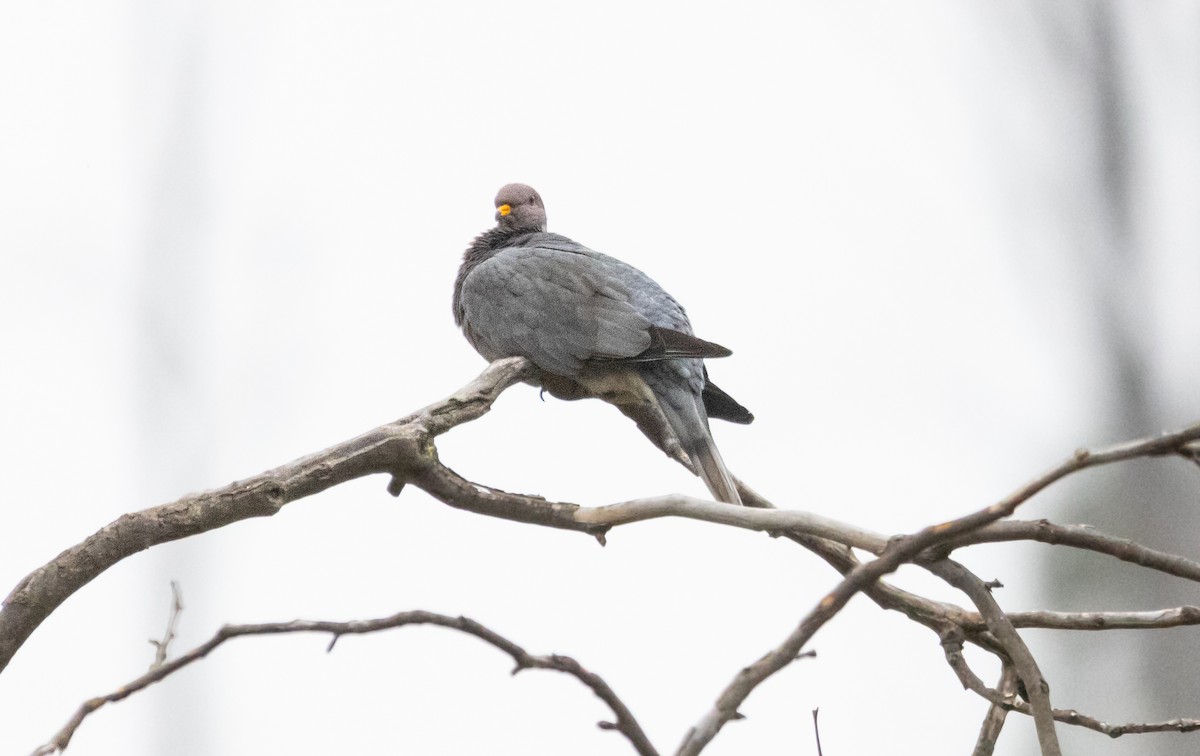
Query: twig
{"points": [[1070, 716], [993, 721], [952, 646], [1190, 452], [1082, 537], [1179, 616], [625, 722], [1172, 442], [162, 646], [1004, 698]]}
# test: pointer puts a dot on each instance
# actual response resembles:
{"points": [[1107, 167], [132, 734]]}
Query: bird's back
{"points": [[545, 297]]}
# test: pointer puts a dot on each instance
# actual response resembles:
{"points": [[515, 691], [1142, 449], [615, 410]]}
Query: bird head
{"points": [[520, 208]]}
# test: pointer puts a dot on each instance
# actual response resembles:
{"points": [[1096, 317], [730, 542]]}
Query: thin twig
{"points": [[993, 721], [1070, 716], [625, 722], [1179, 616], [952, 646], [1082, 537], [1005, 698], [162, 646], [1172, 442]]}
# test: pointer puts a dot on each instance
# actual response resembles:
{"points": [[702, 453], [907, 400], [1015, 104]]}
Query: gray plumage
{"points": [[595, 327]]}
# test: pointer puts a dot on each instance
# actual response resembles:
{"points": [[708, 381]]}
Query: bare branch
{"points": [[938, 616], [625, 724], [1190, 452], [952, 646], [1070, 716], [1179, 616], [1173, 442], [993, 721], [1005, 698], [1082, 537], [162, 646], [899, 550], [1026, 666], [398, 448]]}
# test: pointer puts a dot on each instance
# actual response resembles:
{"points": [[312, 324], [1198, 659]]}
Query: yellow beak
{"points": [[504, 210]]}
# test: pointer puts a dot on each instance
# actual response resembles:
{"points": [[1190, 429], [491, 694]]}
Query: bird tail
{"points": [[690, 424], [711, 469]]}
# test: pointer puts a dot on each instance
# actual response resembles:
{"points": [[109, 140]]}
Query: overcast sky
{"points": [[230, 232]]}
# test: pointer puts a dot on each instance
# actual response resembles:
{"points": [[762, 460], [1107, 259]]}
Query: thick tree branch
{"points": [[625, 723], [401, 448]]}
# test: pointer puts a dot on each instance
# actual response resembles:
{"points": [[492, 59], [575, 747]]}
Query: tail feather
{"points": [[722, 406], [713, 472], [689, 422]]}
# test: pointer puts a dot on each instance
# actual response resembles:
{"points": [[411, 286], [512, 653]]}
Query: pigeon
{"points": [[594, 327]]}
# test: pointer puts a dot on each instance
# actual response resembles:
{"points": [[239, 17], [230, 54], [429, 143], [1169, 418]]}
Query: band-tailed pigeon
{"points": [[595, 327]]}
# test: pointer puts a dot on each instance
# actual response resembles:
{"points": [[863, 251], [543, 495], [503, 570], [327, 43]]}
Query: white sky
{"points": [[230, 232]]}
